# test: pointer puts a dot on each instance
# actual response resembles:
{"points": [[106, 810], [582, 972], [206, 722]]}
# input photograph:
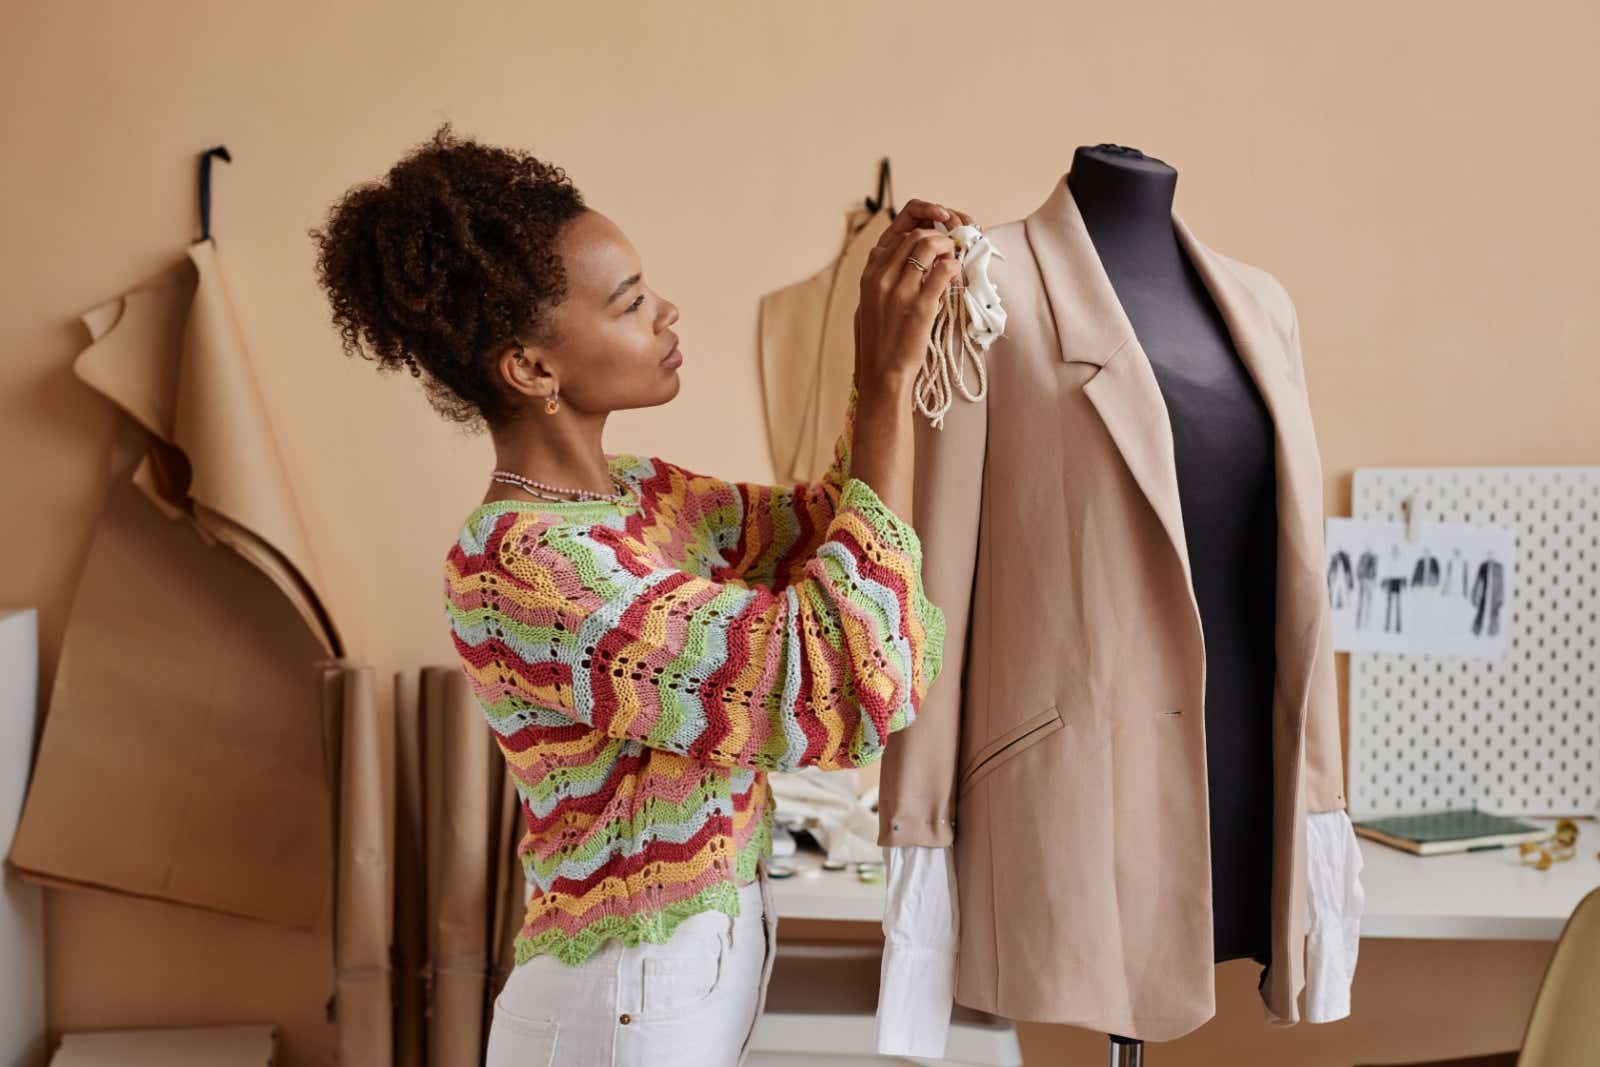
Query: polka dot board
{"points": [[1519, 735]]}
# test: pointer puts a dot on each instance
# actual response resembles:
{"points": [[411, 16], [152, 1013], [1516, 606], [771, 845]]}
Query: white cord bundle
{"points": [[968, 320]]}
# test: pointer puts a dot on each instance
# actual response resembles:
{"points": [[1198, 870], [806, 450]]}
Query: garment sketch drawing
{"points": [[1340, 580], [1394, 585], [1426, 572], [1488, 595], [1392, 589], [1455, 573], [1366, 576], [1424, 578]]}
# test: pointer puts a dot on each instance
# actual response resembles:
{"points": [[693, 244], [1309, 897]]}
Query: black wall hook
{"points": [[883, 184], [205, 187]]}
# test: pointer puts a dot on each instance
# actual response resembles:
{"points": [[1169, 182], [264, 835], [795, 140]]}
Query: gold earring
{"points": [[551, 403]]}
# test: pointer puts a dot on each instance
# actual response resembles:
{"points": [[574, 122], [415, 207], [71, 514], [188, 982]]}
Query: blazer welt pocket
{"points": [[1013, 742]]}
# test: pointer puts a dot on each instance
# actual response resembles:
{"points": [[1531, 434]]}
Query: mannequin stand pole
{"points": [[1126, 1051]]}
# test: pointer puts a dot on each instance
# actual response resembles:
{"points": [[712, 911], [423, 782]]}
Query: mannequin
{"points": [[1126, 810], [1222, 438], [1222, 441]]}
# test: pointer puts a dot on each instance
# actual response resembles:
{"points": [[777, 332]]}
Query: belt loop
{"points": [[617, 992]]}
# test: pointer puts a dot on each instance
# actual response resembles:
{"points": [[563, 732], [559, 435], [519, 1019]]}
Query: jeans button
{"points": [[625, 1019]]}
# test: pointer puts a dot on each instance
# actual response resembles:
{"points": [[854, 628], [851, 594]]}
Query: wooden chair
{"points": [[1564, 1028]]}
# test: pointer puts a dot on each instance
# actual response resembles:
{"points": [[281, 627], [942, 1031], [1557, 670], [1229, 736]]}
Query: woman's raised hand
{"points": [[899, 298]]}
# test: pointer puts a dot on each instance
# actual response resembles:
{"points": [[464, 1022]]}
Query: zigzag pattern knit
{"points": [[645, 665]]}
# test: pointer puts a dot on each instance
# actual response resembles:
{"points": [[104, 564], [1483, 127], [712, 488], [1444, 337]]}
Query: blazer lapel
{"points": [[1091, 327], [1264, 351]]}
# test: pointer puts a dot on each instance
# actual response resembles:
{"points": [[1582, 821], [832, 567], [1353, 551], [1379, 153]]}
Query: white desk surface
{"points": [[814, 893], [1475, 895]]}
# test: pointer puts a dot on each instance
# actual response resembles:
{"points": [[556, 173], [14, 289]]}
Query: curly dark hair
{"points": [[446, 261]]}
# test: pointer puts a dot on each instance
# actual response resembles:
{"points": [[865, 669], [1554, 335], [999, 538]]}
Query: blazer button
{"points": [[897, 826], [625, 1019]]}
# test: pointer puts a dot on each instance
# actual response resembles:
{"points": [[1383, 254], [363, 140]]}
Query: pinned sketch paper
{"points": [[1446, 591]]}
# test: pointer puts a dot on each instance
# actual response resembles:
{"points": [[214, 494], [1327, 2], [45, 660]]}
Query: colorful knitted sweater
{"points": [[644, 665]]}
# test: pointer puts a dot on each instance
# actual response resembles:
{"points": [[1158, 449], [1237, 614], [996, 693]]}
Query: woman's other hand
{"points": [[894, 316], [894, 322]]}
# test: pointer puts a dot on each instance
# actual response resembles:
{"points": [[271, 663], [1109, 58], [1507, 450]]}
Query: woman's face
{"points": [[612, 328]]}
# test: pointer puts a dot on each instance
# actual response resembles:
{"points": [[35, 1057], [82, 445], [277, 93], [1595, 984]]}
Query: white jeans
{"points": [[692, 1001]]}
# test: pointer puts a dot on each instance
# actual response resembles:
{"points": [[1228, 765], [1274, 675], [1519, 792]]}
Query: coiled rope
{"points": [[967, 322]]}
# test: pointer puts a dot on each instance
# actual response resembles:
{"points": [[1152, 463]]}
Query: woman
{"points": [[647, 642]]}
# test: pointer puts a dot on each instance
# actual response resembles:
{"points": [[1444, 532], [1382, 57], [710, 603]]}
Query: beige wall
{"points": [[1417, 173]]}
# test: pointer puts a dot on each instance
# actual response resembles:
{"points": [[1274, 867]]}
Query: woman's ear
{"points": [[524, 371]]}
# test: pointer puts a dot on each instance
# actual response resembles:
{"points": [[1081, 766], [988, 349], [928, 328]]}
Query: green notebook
{"points": [[1450, 831]]}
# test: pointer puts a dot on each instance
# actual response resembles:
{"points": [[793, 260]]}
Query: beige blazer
{"points": [[805, 337], [1067, 726]]}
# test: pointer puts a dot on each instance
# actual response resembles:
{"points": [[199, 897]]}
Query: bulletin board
{"points": [[1519, 735]]}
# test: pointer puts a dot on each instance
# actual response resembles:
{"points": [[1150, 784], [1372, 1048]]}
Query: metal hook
{"points": [[883, 183], [205, 188]]}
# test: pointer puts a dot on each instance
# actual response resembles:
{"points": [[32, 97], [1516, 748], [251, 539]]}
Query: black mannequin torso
{"points": [[1223, 443]]}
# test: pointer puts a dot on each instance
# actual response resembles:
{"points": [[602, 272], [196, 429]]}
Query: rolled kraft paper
{"points": [[511, 900], [415, 981], [411, 878], [462, 798], [364, 872]]}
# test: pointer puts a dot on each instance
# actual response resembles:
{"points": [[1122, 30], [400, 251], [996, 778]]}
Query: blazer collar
{"points": [[1089, 319], [1090, 323]]}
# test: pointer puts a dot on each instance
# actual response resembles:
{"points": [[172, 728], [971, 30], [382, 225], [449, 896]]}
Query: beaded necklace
{"points": [[536, 488]]}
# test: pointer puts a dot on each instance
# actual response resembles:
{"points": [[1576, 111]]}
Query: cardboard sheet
{"points": [[209, 1046]]}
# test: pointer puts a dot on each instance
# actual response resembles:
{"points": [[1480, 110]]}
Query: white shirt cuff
{"points": [[1333, 926], [919, 951]]}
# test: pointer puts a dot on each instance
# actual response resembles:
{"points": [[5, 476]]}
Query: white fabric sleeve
{"points": [[1333, 927], [919, 951]]}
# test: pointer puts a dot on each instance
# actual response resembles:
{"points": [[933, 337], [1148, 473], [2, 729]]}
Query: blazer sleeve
{"points": [[917, 783], [575, 619], [1324, 766]]}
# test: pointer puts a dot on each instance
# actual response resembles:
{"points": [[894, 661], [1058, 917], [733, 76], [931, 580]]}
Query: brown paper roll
{"points": [[364, 881]]}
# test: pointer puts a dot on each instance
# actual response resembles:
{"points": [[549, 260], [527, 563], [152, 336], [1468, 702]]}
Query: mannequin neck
{"points": [[1125, 197]]}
